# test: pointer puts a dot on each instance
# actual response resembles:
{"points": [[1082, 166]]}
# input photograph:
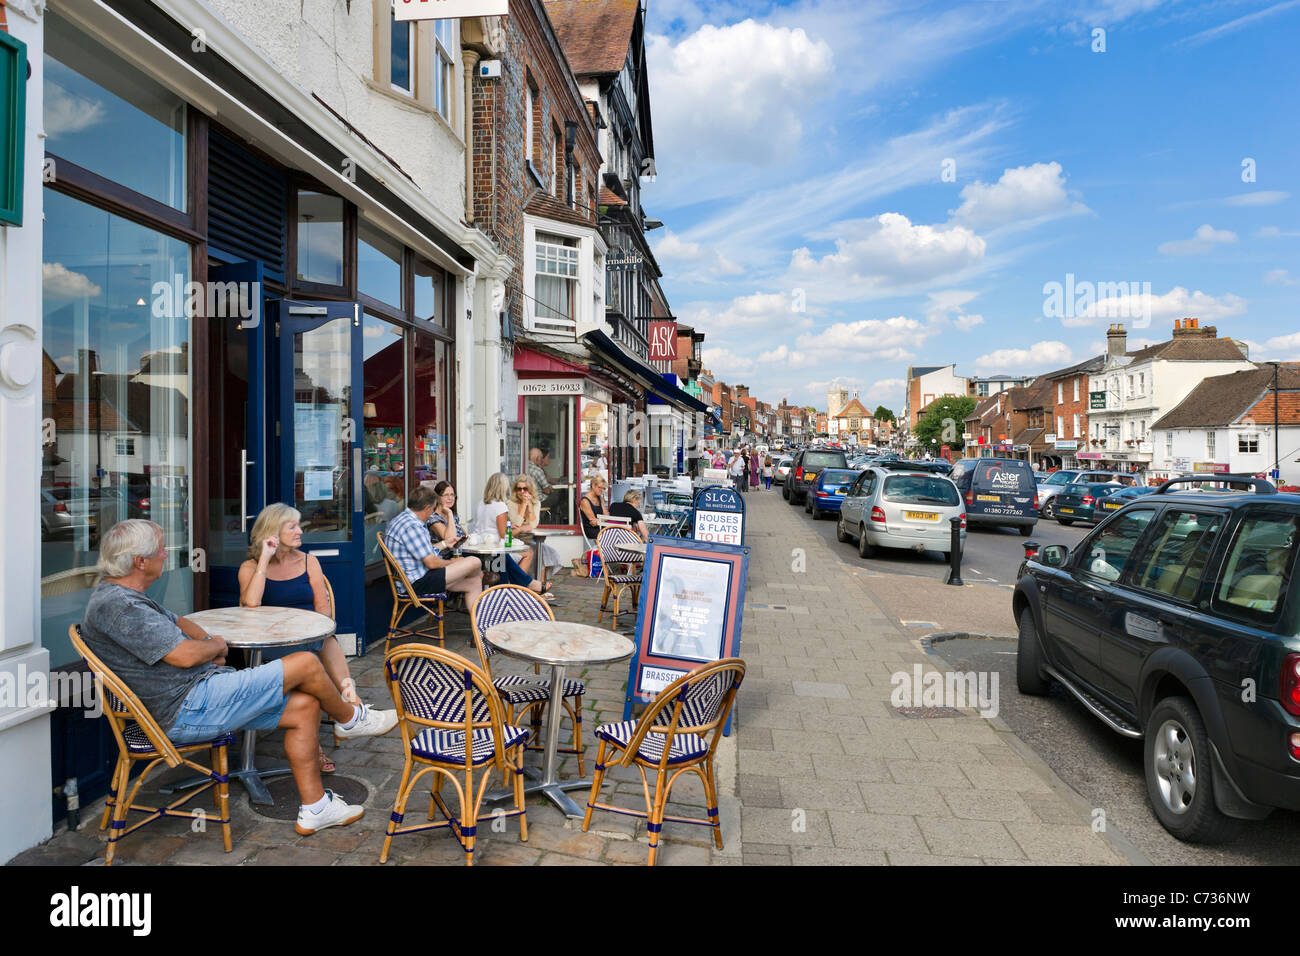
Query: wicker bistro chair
{"points": [[670, 739], [405, 599], [140, 738], [616, 582], [443, 701], [524, 694]]}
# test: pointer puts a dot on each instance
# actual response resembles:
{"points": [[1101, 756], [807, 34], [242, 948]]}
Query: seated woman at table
{"points": [[445, 526], [630, 508], [491, 518], [279, 574], [591, 506], [525, 512]]}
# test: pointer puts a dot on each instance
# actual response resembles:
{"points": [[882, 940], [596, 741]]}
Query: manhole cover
{"points": [[285, 794], [919, 712]]}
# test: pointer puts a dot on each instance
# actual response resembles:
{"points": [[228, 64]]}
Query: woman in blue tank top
{"points": [[279, 574]]}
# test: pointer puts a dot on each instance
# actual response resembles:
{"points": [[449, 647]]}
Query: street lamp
{"points": [[1277, 457]]}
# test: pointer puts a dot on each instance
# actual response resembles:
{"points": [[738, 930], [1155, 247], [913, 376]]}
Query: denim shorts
{"points": [[251, 699]]}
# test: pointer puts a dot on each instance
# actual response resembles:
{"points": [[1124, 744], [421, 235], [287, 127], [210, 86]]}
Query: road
{"points": [[1107, 768], [992, 554]]}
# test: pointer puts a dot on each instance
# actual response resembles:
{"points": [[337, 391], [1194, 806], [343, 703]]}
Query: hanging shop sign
{"points": [[449, 9], [1097, 399], [692, 594], [623, 262], [663, 341], [719, 516]]}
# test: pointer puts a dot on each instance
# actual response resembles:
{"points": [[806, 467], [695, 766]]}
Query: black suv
{"points": [[1177, 620], [808, 464]]}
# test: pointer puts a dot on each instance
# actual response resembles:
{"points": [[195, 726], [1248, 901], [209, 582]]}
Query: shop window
{"points": [[549, 435], [384, 439], [106, 116], [432, 288], [379, 265], [320, 238], [116, 360], [430, 421]]}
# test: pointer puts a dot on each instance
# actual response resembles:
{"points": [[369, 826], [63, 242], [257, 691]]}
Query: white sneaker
{"points": [[337, 813], [371, 723]]}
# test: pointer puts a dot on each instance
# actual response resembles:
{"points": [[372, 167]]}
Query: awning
{"points": [[646, 375]]}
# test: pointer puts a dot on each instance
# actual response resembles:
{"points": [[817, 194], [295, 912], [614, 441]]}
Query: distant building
{"points": [[925, 383]]}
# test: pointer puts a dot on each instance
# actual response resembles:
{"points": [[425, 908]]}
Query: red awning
{"points": [[528, 360]]}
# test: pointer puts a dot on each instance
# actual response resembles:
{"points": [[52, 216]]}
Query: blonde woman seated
{"points": [[491, 518], [525, 512], [278, 574], [630, 508]]}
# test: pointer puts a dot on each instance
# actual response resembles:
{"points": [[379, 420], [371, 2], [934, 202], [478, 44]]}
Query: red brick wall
{"points": [[1068, 408]]}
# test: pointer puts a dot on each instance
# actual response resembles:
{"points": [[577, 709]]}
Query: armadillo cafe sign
{"points": [[623, 261], [449, 9]]}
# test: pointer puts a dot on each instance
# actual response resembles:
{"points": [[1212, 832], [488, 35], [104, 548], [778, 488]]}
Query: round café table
{"points": [[255, 629], [538, 538], [557, 644]]}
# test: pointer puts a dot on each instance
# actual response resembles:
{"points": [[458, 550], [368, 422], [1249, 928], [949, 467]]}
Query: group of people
{"points": [[179, 671], [746, 467]]}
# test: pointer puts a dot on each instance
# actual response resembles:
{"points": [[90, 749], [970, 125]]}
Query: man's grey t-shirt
{"points": [[132, 634]]}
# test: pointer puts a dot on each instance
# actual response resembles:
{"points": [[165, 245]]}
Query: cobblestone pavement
{"points": [[820, 768]]}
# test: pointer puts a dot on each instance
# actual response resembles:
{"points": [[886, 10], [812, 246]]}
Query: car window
{"points": [[1259, 569], [920, 488], [1175, 561], [817, 460], [1004, 477], [1107, 553], [1059, 478]]}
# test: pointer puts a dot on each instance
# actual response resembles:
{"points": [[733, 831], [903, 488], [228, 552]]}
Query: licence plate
{"points": [[1111, 507], [921, 515], [994, 498], [809, 475], [1067, 511]]}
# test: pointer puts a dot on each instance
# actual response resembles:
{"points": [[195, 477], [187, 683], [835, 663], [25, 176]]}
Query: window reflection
{"points": [[320, 238], [322, 397], [116, 386], [379, 265], [384, 412], [431, 456]]}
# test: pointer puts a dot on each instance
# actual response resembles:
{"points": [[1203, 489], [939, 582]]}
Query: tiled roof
{"points": [[1093, 364], [608, 198], [1190, 349], [917, 371], [595, 34], [982, 409], [1224, 399], [543, 204], [1028, 436], [854, 407]]}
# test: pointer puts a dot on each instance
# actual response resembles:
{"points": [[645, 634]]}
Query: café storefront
{"points": [[226, 324]]}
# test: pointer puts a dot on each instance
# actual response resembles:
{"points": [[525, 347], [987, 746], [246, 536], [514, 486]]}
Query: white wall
{"points": [[1189, 443], [24, 731]]}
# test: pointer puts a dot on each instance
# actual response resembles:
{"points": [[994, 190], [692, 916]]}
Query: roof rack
{"points": [[1261, 486]]}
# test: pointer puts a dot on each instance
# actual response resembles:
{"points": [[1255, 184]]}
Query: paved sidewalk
{"points": [[829, 771]]}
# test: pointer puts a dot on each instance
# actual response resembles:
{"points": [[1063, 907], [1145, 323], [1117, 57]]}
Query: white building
{"points": [[1227, 424], [925, 383], [1134, 389]]}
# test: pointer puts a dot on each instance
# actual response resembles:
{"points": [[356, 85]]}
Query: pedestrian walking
{"points": [[754, 467], [768, 471], [736, 470]]}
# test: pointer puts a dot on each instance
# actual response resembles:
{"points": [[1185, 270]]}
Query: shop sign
{"points": [[449, 9], [1049, 439], [1180, 464], [1089, 456], [1210, 468], [663, 341], [1097, 399], [624, 262], [692, 596], [1069, 445], [550, 386], [719, 516]]}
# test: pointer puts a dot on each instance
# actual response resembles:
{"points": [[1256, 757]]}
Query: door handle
{"points": [[243, 489]]}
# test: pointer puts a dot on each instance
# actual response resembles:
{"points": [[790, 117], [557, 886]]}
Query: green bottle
{"points": [[510, 538]]}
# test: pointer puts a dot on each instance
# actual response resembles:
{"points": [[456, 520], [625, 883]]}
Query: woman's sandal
{"points": [[326, 764]]}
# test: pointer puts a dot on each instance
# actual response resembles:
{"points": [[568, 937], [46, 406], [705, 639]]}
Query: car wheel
{"points": [[841, 535], [815, 511], [1066, 521], [785, 492], [1029, 659], [1026, 530], [793, 499], [1180, 779], [865, 550]]}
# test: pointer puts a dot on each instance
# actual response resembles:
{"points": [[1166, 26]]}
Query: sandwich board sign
{"points": [[692, 595], [719, 516]]}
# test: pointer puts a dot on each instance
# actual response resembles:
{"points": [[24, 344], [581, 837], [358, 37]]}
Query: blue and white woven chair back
{"points": [[431, 689], [703, 694], [505, 604], [609, 543]]}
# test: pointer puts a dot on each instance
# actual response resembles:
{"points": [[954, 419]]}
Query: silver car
{"points": [[783, 468], [901, 509]]}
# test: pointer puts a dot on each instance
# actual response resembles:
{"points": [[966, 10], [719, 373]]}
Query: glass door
{"points": [[316, 461], [548, 426]]}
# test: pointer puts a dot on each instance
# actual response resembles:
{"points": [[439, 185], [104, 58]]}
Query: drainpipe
{"points": [[471, 61]]}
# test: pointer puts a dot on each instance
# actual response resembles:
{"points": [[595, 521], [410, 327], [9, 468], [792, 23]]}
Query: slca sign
{"points": [[449, 9], [719, 516]]}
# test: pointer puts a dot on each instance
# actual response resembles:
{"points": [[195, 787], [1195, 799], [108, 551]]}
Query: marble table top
{"points": [[637, 546], [264, 626], [549, 532], [559, 642], [515, 548]]}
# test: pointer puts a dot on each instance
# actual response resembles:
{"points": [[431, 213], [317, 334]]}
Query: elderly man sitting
{"points": [[175, 668]]}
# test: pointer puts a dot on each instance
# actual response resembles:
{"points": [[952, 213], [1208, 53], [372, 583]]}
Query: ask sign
{"points": [[449, 9]]}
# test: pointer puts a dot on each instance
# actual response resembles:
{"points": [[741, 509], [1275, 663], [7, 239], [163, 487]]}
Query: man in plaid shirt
{"points": [[408, 539]]}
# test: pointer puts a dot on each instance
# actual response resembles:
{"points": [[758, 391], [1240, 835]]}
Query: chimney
{"points": [[1190, 328], [1116, 340]]}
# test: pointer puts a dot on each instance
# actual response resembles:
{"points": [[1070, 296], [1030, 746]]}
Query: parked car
{"points": [[808, 464], [66, 511], [828, 491], [1118, 499], [1048, 488], [1177, 622], [998, 491], [1078, 501], [884, 508], [783, 468]]}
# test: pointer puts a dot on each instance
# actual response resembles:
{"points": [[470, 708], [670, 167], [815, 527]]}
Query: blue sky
{"points": [[849, 188]]}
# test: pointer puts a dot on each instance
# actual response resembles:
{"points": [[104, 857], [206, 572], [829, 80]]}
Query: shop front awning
{"points": [[658, 389]]}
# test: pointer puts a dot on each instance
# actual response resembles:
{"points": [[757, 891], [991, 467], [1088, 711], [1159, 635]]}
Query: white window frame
{"points": [[588, 309], [1060, 393], [1247, 438], [1210, 439], [1169, 443], [1074, 430], [444, 68], [410, 53], [1076, 389]]}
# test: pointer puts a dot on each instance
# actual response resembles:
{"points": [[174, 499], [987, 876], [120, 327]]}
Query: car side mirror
{"points": [[1054, 555]]}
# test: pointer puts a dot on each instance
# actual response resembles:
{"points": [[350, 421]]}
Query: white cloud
{"points": [[66, 114], [1041, 356], [1274, 232], [1213, 33], [1022, 196], [60, 282], [724, 363], [885, 390], [749, 313], [947, 306], [758, 80], [1280, 277], [1283, 343], [1204, 239], [1176, 303], [867, 340], [886, 252], [696, 262], [1262, 197]]}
